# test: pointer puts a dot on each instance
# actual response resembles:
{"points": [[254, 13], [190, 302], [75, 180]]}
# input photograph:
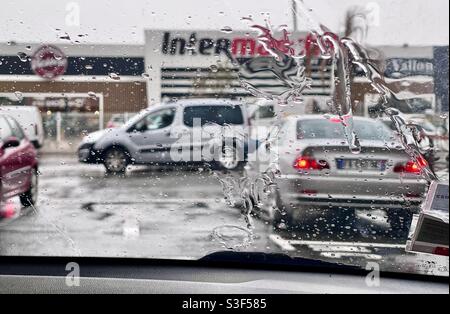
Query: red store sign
{"points": [[49, 62]]}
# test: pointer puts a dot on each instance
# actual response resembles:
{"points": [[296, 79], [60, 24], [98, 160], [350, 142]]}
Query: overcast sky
{"points": [[414, 22]]}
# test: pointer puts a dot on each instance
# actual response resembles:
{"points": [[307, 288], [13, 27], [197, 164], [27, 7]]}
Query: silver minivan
{"points": [[187, 131]]}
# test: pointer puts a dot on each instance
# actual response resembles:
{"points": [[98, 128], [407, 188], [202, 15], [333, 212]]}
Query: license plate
{"points": [[357, 164]]}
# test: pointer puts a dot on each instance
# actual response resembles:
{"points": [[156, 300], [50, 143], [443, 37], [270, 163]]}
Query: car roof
{"points": [[193, 102], [206, 101], [322, 117]]}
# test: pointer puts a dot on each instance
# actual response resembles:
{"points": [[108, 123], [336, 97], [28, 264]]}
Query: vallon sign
{"points": [[404, 67], [49, 62]]}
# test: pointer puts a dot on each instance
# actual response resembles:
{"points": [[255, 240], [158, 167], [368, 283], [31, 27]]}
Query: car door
{"points": [[152, 136], [24, 155]]}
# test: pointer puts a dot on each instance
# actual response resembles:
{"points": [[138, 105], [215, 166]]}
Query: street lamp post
{"points": [[294, 15]]}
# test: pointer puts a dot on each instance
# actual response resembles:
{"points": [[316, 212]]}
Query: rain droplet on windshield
{"points": [[23, 56], [214, 68], [65, 37], [19, 95], [226, 30], [114, 76]]}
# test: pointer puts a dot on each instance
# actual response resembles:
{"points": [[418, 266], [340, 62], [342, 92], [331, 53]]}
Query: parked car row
{"points": [[317, 171]]}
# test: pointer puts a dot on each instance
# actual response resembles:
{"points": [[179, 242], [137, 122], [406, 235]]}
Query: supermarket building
{"points": [[100, 81]]}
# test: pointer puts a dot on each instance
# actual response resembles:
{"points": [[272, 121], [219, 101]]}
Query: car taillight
{"points": [[412, 166], [443, 251], [308, 163]]}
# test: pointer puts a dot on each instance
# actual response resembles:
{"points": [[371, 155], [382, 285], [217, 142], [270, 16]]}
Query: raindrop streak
{"points": [[247, 190], [233, 237], [65, 36], [286, 65], [226, 30], [344, 53], [284, 59], [357, 56], [214, 69], [19, 96], [114, 76]]}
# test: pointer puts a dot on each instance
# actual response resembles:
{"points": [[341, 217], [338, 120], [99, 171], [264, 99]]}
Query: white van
{"points": [[30, 120]]}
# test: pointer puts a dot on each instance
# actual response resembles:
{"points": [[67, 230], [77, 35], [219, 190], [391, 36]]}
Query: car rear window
{"points": [[221, 115], [325, 129]]}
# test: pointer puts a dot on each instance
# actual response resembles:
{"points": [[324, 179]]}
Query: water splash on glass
{"points": [[345, 55], [283, 59]]}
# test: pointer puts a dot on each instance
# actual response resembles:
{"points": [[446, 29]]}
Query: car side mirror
{"points": [[11, 142]]}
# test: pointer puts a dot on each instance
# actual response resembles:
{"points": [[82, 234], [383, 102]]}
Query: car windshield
{"points": [[173, 129], [324, 129]]}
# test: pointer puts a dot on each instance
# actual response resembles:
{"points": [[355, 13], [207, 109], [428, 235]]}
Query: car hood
{"points": [[95, 136]]}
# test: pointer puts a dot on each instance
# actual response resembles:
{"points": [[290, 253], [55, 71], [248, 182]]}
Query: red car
{"points": [[18, 163]]}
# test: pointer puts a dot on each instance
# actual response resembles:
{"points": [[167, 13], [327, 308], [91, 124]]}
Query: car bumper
{"points": [[87, 154], [351, 192]]}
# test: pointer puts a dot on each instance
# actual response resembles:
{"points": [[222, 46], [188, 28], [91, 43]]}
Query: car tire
{"points": [[228, 160], [272, 209], [116, 160], [29, 198]]}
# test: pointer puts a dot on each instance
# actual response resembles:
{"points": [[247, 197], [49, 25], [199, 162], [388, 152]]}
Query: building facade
{"points": [[89, 84]]}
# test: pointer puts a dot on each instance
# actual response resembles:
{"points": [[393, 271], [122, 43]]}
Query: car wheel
{"points": [[229, 159], [116, 161], [29, 198], [273, 210]]}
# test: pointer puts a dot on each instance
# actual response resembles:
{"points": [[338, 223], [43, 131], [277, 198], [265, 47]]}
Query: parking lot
{"points": [[168, 213], [151, 213]]}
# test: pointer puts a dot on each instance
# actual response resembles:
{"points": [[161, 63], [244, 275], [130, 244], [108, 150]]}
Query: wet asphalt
{"points": [[176, 214]]}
